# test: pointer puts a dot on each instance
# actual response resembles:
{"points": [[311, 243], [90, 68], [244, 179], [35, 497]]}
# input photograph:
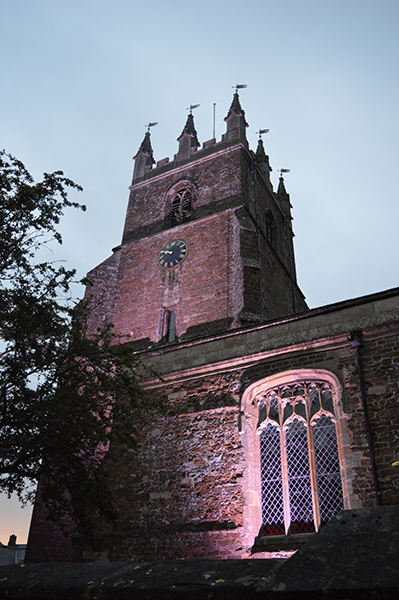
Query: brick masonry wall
{"points": [[280, 295], [181, 492], [47, 541], [231, 272]]}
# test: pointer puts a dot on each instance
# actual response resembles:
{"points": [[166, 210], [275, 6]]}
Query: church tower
{"points": [[262, 433], [207, 243]]}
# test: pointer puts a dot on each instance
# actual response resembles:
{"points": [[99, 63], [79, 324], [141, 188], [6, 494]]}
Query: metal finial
{"points": [[191, 108], [151, 125], [239, 86], [261, 132]]}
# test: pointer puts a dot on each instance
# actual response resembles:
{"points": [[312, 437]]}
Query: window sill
{"points": [[274, 543]]}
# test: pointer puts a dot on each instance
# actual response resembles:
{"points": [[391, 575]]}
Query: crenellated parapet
{"points": [[189, 146]]}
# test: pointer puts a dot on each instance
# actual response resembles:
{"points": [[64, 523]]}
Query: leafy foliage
{"points": [[62, 391]]}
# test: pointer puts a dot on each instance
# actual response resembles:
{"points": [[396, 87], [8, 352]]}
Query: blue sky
{"points": [[80, 80]]}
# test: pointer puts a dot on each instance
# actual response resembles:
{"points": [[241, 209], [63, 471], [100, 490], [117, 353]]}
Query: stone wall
{"points": [[183, 484], [232, 273], [183, 492], [215, 181], [205, 287]]}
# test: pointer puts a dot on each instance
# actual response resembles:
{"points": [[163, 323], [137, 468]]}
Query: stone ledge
{"points": [[229, 579], [355, 556]]}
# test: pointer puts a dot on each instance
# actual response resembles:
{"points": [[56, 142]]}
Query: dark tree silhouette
{"points": [[63, 393]]}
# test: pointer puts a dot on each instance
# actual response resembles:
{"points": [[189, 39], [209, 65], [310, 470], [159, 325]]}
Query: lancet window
{"points": [[270, 227], [300, 472]]}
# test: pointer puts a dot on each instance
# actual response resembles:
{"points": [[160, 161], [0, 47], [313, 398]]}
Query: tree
{"points": [[62, 392]]}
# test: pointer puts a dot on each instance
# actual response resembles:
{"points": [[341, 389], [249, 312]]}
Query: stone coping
{"points": [[377, 303], [355, 556], [315, 330]]}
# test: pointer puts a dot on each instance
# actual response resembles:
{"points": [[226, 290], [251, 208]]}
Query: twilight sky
{"points": [[80, 79]]}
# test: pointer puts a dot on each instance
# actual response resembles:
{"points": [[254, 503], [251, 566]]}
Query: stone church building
{"points": [[274, 417]]}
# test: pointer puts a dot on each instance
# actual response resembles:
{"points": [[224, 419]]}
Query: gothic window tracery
{"points": [[300, 472], [181, 207]]}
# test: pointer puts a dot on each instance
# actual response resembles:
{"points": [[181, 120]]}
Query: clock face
{"points": [[173, 254]]}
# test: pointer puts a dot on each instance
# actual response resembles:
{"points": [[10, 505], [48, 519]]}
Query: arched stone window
{"points": [[270, 227], [298, 475], [181, 209]]}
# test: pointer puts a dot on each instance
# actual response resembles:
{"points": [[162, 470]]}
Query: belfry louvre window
{"points": [[181, 210], [270, 227], [300, 473]]}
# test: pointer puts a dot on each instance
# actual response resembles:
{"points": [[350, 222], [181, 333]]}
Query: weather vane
{"points": [[239, 86], [151, 125], [261, 132], [191, 108], [281, 171]]}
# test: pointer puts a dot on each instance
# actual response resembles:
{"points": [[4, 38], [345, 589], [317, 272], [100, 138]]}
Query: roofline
{"points": [[329, 308]]}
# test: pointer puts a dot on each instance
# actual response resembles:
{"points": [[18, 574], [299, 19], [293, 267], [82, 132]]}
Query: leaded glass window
{"points": [[300, 472], [272, 493]]}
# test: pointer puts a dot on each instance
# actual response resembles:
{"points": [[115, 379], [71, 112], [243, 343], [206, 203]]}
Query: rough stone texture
{"points": [[381, 359], [192, 487], [355, 556], [184, 484], [206, 286], [103, 280], [214, 178], [232, 271], [48, 539], [182, 493], [311, 333]]}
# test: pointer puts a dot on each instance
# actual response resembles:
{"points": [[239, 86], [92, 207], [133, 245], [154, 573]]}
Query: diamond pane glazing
{"points": [[303, 401], [271, 482], [299, 484], [327, 468]]}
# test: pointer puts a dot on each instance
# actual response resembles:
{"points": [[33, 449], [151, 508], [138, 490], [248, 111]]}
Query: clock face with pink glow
{"points": [[173, 254]]}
